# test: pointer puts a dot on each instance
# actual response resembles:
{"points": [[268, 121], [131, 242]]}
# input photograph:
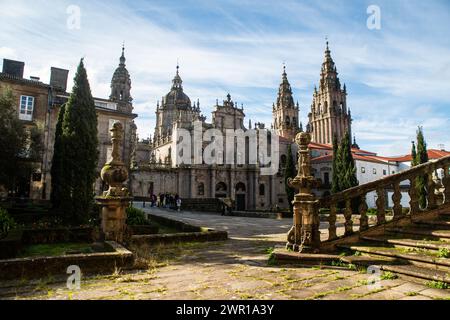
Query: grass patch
{"points": [[437, 284], [412, 294], [387, 275], [52, 250], [443, 253], [272, 260]]}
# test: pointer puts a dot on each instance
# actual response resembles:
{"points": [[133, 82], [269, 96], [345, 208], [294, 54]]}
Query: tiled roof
{"points": [[366, 158], [8, 77], [432, 154], [320, 146]]}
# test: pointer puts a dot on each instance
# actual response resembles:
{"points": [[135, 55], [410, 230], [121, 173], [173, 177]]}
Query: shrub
{"points": [[136, 217], [6, 223]]}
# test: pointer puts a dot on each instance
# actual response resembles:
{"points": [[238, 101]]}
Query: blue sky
{"points": [[397, 77]]}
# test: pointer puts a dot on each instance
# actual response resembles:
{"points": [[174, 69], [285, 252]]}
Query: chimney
{"points": [[58, 78], [13, 68]]}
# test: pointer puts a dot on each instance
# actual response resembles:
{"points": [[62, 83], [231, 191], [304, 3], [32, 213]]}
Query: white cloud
{"points": [[395, 81]]}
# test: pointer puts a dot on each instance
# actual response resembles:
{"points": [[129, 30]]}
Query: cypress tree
{"points": [[413, 155], [57, 171], [80, 149], [421, 157], [335, 179], [347, 170], [289, 172], [346, 165]]}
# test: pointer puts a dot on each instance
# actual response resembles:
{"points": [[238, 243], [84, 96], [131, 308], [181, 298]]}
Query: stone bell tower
{"points": [[329, 114], [285, 112], [121, 86]]}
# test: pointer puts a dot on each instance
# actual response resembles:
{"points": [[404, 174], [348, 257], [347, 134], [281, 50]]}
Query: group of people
{"points": [[166, 200]]}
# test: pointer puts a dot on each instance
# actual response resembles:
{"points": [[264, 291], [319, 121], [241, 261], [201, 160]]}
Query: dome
{"points": [[176, 97]]}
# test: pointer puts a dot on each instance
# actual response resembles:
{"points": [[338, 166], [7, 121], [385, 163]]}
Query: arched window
{"points": [[221, 187], [325, 109], [288, 120], [262, 190], [294, 121], [240, 187]]}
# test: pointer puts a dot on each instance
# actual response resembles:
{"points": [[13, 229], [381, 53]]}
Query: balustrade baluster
{"points": [[332, 221], [381, 206], [363, 220], [396, 198], [414, 197], [431, 196], [446, 183], [348, 217]]}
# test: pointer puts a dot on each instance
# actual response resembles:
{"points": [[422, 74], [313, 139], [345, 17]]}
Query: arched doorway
{"points": [[221, 190], [240, 197]]}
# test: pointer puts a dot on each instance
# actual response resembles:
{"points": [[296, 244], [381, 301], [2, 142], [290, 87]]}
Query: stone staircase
{"points": [[420, 249], [415, 242]]}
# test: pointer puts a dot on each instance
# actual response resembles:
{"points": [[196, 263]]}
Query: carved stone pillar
{"points": [[114, 202], [304, 236]]}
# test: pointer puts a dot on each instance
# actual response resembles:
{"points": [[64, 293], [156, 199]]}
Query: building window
{"points": [[374, 171], [262, 190], [26, 108], [384, 172], [280, 200], [326, 178], [283, 161], [393, 172], [201, 189], [363, 170]]}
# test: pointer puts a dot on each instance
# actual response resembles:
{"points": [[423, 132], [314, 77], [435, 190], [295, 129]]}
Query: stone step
{"points": [[418, 272], [406, 242], [436, 234], [433, 224], [369, 260], [421, 259]]}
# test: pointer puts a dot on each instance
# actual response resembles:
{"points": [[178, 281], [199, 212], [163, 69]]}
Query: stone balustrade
{"points": [[437, 188]]}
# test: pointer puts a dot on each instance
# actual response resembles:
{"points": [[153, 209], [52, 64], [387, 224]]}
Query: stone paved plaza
{"points": [[233, 269]]}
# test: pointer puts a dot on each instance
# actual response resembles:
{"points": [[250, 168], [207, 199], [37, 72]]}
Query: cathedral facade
{"points": [[155, 171]]}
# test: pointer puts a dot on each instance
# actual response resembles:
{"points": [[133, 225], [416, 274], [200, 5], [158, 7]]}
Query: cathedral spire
{"points": [[329, 114], [285, 111], [177, 82], [121, 85], [122, 57]]}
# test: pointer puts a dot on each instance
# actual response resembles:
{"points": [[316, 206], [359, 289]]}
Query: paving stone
{"points": [[436, 293], [234, 269], [410, 287], [418, 297]]}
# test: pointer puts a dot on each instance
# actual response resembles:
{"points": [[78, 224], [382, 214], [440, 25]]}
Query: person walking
{"points": [[179, 204]]}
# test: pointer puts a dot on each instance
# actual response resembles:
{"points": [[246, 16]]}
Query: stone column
{"points": [[304, 236], [114, 202]]}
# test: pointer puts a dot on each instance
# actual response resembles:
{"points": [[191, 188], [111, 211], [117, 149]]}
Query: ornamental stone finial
{"points": [[115, 173], [304, 236]]}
